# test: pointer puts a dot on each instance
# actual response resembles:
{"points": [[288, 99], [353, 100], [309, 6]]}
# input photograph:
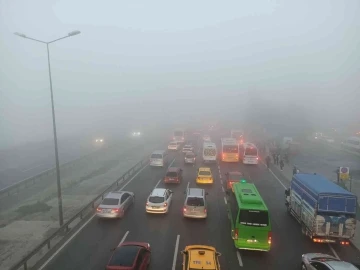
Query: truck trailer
{"points": [[325, 211]]}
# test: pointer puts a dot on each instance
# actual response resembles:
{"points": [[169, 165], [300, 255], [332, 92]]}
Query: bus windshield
{"points": [[254, 218], [230, 149], [251, 152]]}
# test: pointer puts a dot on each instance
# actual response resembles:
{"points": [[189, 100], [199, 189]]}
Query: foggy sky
{"points": [[138, 63]]}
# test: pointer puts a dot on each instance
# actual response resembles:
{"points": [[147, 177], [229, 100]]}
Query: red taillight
{"points": [[257, 158], [345, 243], [147, 204], [116, 210], [269, 238], [184, 209], [205, 210], [165, 204], [98, 209], [236, 234]]}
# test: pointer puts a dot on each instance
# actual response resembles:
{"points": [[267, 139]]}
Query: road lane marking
{"points": [[221, 181], [239, 258], [83, 226], [171, 163], [124, 237], [223, 190], [157, 184], [225, 200], [176, 252], [219, 167], [334, 252], [187, 187], [220, 174]]}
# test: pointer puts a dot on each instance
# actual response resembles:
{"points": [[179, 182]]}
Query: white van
{"points": [[209, 152], [158, 158]]}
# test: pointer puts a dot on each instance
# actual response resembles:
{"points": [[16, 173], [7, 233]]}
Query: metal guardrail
{"points": [[86, 210], [32, 180]]}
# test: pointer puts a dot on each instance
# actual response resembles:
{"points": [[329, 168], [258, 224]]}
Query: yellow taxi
{"points": [[204, 176], [200, 257]]}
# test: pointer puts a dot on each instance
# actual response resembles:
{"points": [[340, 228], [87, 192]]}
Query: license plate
{"points": [[251, 241], [106, 210], [155, 207], [171, 179]]}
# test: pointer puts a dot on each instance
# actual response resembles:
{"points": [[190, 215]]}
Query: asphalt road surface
{"points": [[323, 159], [33, 158], [169, 234]]}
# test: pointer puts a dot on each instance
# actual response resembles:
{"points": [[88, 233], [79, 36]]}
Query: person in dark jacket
{"points": [[295, 170], [281, 164], [268, 160]]}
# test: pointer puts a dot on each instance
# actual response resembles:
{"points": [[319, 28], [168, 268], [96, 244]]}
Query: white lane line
{"points": [[187, 187], [223, 190], [225, 200], [83, 226], [220, 174], [124, 237], [219, 167], [334, 252], [157, 183], [176, 252], [171, 163], [239, 258], [221, 181], [33, 168]]}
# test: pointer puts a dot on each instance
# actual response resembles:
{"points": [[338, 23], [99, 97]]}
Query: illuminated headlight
{"points": [[101, 140], [97, 140], [138, 133]]}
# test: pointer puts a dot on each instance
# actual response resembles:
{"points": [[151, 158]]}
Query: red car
{"points": [[130, 256], [233, 177]]}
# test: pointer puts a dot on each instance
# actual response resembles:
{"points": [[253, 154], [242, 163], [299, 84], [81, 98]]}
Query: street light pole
{"points": [[58, 182]]}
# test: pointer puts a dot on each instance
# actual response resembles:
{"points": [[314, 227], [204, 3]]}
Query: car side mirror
{"points": [[112, 249], [183, 252], [218, 254], [171, 191]]}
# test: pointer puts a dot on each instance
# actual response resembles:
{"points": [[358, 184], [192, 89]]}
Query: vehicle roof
{"points": [[115, 194], [205, 261], [196, 192], [204, 169], [124, 255], [248, 196], [160, 192], [320, 184], [341, 265], [158, 152], [173, 169], [236, 173], [187, 145], [173, 142], [189, 153]]}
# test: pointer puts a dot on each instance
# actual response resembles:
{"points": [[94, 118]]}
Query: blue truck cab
{"points": [[326, 211]]}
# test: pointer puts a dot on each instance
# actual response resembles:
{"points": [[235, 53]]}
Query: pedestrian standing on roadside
{"points": [[294, 170], [268, 160], [281, 164], [338, 174], [278, 159], [274, 157]]}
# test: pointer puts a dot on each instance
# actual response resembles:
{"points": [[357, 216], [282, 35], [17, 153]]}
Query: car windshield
{"points": [[190, 155], [110, 201], [156, 199], [173, 143], [171, 174], [124, 256], [156, 156], [254, 218], [194, 201], [205, 173], [236, 177]]}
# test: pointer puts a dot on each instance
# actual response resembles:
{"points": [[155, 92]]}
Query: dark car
{"points": [[233, 177], [190, 158], [173, 175], [130, 256]]}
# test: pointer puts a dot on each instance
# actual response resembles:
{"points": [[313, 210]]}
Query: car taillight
{"points": [[98, 209], [345, 243], [165, 204], [257, 158], [269, 238], [116, 210], [184, 209], [236, 234], [205, 210], [147, 204]]}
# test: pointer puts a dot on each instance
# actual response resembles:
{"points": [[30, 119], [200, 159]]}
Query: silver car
{"points": [[187, 148], [190, 158], [115, 204], [195, 205], [315, 261]]}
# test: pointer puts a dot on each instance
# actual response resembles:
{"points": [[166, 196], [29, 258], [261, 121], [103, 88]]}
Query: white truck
{"points": [[209, 152]]}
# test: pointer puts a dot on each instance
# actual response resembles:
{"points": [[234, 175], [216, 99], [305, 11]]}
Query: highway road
{"points": [[169, 234], [323, 159], [33, 158]]}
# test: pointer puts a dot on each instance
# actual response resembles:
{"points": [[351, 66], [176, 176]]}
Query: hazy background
{"points": [[142, 64]]}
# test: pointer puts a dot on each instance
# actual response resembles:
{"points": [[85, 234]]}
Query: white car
{"points": [[314, 261], [174, 146], [187, 148], [115, 204], [159, 201]]}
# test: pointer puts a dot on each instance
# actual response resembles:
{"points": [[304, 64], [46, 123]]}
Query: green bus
{"points": [[249, 217]]}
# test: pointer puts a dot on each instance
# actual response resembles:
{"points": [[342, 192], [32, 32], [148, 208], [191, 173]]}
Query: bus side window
{"points": [[233, 206]]}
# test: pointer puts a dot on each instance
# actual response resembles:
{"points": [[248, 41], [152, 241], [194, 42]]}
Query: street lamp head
{"points": [[20, 35], [74, 33]]}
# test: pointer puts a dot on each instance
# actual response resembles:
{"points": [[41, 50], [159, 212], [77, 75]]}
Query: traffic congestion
{"points": [[207, 202]]}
